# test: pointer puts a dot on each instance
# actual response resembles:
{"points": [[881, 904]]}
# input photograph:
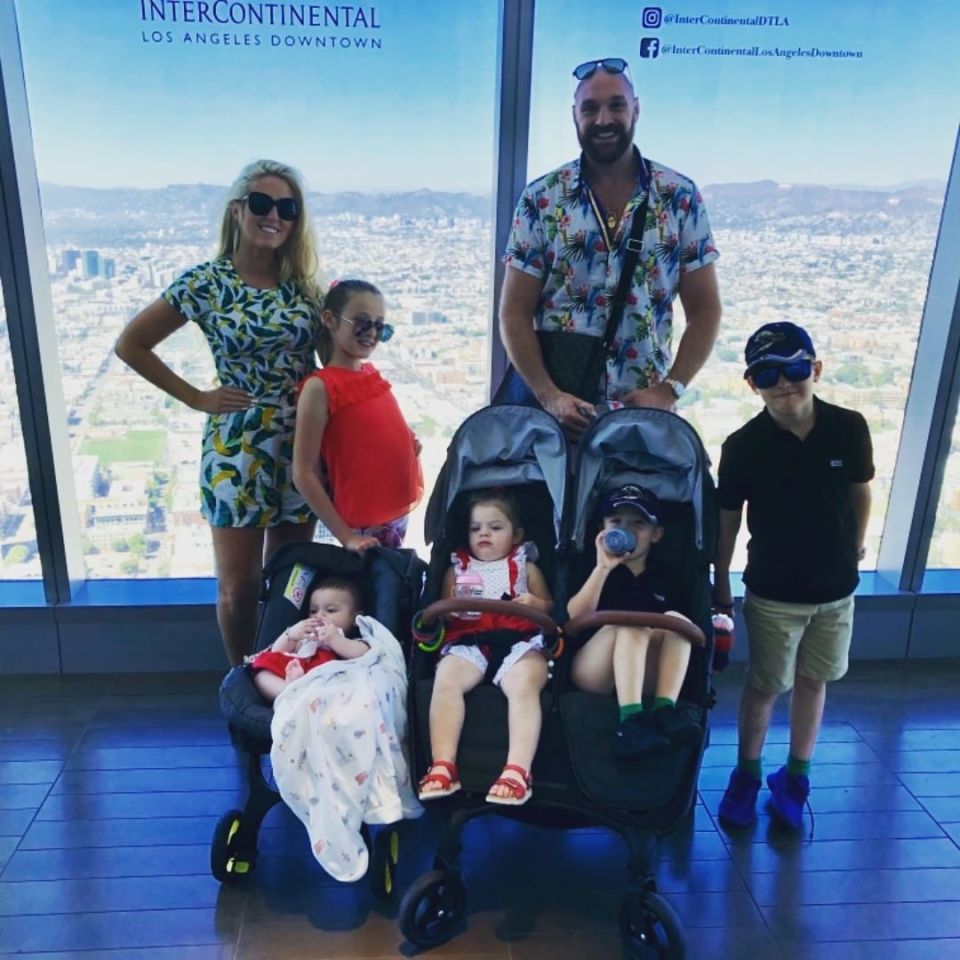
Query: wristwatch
{"points": [[677, 387]]}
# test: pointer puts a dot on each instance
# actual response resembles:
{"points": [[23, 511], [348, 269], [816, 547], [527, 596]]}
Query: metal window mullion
{"points": [[512, 127], [30, 322], [930, 410], [939, 441]]}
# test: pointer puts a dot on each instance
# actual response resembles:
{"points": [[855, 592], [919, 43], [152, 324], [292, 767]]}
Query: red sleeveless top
{"points": [[373, 473]]}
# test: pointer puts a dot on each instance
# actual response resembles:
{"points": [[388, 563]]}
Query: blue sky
{"points": [[109, 109], [887, 118]]}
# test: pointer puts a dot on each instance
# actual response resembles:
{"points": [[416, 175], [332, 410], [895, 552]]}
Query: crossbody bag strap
{"points": [[634, 247]]}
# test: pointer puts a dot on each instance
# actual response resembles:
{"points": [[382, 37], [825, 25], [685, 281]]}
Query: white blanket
{"points": [[337, 755]]}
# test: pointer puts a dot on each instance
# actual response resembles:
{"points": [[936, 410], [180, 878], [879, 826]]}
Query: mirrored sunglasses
{"points": [[260, 204], [766, 377], [610, 64], [363, 325]]}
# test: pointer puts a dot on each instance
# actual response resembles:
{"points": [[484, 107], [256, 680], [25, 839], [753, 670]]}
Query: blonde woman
{"points": [[257, 304]]}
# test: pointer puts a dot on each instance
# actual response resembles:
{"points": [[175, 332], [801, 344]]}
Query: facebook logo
{"points": [[650, 48], [652, 18]]}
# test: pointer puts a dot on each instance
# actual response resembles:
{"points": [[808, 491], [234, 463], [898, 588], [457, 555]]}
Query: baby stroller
{"points": [[578, 782], [390, 583]]}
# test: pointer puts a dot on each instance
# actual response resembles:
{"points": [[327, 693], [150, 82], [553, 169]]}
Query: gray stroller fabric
{"points": [[653, 448], [500, 445]]}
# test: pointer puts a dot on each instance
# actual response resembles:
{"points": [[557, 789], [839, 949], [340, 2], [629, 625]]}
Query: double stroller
{"points": [[577, 780], [390, 582]]}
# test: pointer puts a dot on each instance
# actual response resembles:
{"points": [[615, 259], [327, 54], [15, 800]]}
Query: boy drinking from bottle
{"points": [[633, 662]]}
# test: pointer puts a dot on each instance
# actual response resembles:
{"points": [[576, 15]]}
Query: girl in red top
{"points": [[348, 414]]}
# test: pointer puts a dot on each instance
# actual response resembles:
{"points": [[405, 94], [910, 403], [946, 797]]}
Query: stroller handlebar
{"points": [[624, 618], [454, 605]]}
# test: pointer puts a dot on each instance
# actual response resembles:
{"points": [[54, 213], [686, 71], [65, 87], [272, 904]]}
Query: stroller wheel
{"points": [[384, 854], [651, 929], [226, 863], [432, 909]]}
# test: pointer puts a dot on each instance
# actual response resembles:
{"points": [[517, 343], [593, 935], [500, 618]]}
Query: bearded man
{"points": [[571, 236]]}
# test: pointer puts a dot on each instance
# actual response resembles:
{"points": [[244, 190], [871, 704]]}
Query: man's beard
{"points": [[607, 152]]}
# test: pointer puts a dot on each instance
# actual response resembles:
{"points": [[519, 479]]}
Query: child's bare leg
{"points": [[294, 670], [672, 665], [454, 678], [669, 668], [268, 684], [521, 685], [592, 668], [629, 663]]}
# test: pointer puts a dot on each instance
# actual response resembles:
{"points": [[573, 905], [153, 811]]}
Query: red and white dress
{"points": [[471, 639]]}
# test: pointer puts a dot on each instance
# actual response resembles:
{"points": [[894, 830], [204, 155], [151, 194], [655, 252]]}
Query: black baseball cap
{"points": [[633, 495], [780, 342]]}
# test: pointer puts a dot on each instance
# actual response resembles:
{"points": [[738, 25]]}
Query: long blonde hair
{"points": [[298, 260]]}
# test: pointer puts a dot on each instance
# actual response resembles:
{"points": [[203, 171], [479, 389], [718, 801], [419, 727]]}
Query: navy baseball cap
{"points": [[633, 495], [781, 342]]}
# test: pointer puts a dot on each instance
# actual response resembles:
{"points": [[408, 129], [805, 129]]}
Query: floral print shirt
{"points": [[558, 238]]}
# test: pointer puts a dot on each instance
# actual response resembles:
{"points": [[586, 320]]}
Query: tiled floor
{"points": [[110, 788]]}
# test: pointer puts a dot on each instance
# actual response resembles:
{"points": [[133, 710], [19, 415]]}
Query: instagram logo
{"points": [[652, 18], [650, 48]]}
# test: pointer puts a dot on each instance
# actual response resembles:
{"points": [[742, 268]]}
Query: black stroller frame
{"points": [[391, 582], [576, 780]]}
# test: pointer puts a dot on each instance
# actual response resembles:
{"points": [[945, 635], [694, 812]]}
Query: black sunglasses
{"points": [[796, 371], [363, 325], [610, 64], [260, 204]]}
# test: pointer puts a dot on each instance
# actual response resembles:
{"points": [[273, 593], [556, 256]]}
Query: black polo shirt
{"points": [[803, 532], [643, 593]]}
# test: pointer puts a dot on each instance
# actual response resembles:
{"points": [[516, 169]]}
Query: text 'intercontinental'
{"points": [[234, 13]]}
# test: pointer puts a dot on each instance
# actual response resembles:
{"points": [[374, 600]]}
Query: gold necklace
{"points": [[611, 220]]}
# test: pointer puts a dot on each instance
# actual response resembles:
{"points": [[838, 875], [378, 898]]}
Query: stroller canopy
{"points": [[653, 448], [501, 445]]}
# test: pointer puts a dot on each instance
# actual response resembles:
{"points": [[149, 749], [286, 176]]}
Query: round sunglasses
{"points": [[766, 377], [260, 204], [363, 325], [609, 64]]}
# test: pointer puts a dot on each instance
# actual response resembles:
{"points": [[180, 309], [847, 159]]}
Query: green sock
{"points": [[753, 767], [660, 702], [629, 709], [797, 767]]}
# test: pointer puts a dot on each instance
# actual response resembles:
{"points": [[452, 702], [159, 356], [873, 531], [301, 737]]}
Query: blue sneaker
{"points": [[739, 804], [788, 795]]}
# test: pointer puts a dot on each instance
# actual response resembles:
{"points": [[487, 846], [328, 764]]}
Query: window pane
{"points": [[19, 559], [387, 111], [945, 545], [823, 173]]}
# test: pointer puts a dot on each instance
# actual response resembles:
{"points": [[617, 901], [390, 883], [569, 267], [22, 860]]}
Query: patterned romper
{"points": [[263, 342]]}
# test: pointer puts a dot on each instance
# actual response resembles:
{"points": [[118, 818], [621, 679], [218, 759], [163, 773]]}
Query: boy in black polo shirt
{"points": [[633, 661], [803, 467]]}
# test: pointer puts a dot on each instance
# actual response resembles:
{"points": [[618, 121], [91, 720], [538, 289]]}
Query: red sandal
{"points": [[520, 790], [449, 781]]}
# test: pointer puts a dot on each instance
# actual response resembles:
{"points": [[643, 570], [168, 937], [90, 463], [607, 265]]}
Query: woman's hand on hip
{"points": [[223, 399]]}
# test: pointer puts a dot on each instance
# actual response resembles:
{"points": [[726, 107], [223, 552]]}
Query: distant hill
{"points": [[88, 215], [734, 205]]}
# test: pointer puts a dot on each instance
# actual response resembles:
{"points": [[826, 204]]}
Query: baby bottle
{"points": [[468, 584], [618, 541]]}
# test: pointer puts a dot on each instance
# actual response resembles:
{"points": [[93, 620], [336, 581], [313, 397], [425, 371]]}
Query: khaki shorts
{"points": [[812, 639]]}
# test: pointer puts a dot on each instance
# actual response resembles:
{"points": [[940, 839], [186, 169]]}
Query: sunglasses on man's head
{"points": [[796, 371], [260, 204], [610, 64], [363, 325]]}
